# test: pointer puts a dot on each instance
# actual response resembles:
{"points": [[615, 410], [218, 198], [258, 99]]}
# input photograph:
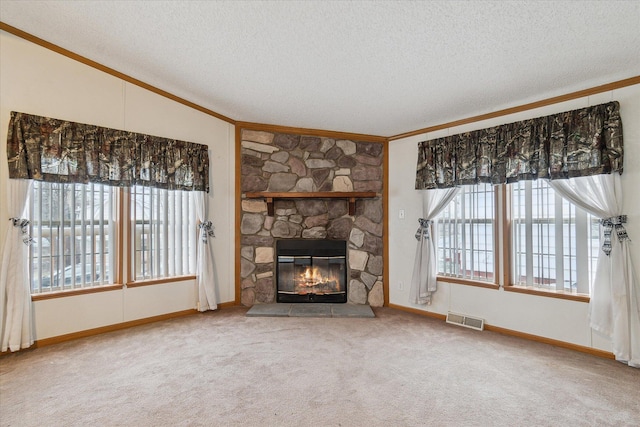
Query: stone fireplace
{"points": [[325, 189]]}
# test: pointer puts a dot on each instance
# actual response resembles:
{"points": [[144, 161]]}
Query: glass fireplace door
{"points": [[311, 277]]}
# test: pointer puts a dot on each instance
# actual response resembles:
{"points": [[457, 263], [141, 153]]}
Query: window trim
{"points": [[551, 293], [73, 292], [467, 282], [161, 281]]}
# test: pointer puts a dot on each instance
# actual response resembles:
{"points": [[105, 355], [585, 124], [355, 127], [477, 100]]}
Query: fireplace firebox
{"points": [[311, 271]]}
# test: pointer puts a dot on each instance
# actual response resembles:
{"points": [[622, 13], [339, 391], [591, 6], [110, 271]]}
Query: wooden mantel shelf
{"points": [[350, 195]]}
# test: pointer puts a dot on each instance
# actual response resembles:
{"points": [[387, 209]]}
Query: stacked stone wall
{"points": [[282, 162]]}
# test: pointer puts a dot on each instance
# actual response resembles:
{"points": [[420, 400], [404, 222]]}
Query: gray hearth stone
{"points": [[269, 310], [311, 310], [351, 310]]}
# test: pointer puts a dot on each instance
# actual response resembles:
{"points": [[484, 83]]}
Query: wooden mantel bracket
{"points": [[349, 195]]}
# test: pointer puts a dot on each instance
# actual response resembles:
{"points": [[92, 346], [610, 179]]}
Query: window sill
{"points": [[547, 293], [159, 281], [467, 282], [72, 292]]}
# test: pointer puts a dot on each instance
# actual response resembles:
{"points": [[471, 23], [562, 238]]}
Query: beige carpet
{"points": [[397, 369]]}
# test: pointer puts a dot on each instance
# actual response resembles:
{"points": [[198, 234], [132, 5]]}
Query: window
{"points": [[553, 245], [465, 230], [72, 227], [550, 238], [79, 228], [75, 227], [164, 230]]}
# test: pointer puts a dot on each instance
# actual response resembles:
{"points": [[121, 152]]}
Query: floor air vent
{"points": [[466, 321]]}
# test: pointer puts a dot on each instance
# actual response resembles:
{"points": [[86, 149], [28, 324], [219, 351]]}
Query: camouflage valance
{"points": [[53, 150], [575, 143]]}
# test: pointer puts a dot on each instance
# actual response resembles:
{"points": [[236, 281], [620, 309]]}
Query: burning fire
{"points": [[312, 277], [314, 281]]}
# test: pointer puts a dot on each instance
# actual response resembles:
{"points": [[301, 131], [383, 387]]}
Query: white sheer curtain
{"points": [[205, 275], [614, 309], [15, 289], [423, 281]]}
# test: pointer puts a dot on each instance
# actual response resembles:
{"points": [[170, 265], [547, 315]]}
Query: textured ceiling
{"points": [[380, 68]]}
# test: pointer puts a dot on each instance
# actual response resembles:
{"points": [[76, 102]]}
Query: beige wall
{"points": [[38, 81], [543, 316]]}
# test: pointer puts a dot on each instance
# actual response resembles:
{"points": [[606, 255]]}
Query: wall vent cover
{"points": [[466, 321]]}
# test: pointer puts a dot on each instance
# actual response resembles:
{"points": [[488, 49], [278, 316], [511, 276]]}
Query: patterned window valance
{"points": [[53, 150], [581, 142]]}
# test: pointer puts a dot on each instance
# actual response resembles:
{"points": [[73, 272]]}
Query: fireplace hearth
{"points": [[309, 271]]}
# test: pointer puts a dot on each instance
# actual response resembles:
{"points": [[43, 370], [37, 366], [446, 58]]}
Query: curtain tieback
{"points": [[608, 224], [423, 230], [23, 224], [207, 227]]}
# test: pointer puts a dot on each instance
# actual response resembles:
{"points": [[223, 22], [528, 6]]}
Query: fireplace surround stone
{"points": [[284, 162]]}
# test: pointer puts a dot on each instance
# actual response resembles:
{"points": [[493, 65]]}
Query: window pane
{"points": [[164, 233], [553, 245], [72, 226], [465, 235]]}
